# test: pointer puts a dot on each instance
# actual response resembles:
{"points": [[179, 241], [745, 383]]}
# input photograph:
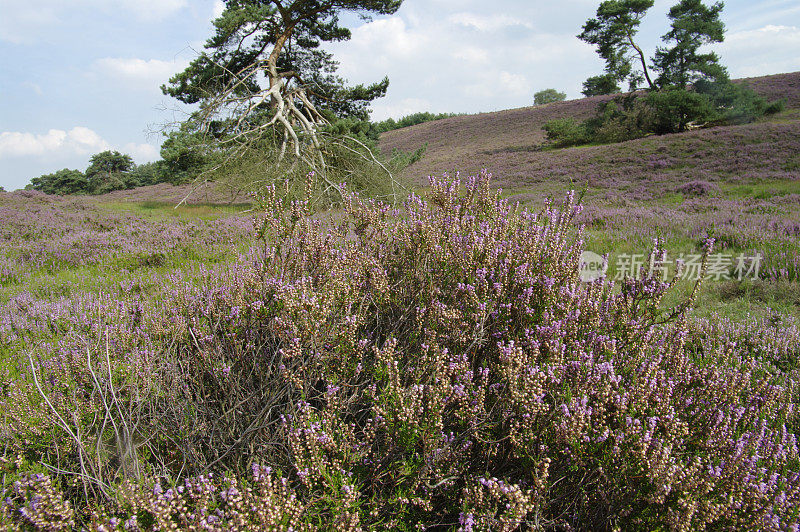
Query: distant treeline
{"points": [[107, 171], [411, 120], [184, 157], [663, 111]]}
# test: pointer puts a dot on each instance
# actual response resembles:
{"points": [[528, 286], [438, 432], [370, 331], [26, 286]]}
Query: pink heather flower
{"points": [[467, 521]]}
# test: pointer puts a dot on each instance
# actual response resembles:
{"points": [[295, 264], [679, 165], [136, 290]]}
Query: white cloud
{"points": [[406, 106], [486, 23], [389, 37], [514, 84], [219, 7], [79, 140], [142, 153], [138, 73], [25, 22], [761, 51], [147, 9], [448, 68], [472, 54]]}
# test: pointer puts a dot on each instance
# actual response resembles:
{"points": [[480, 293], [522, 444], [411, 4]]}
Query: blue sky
{"points": [[81, 76]]}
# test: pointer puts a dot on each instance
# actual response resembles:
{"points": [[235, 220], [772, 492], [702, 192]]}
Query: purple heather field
{"points": [[439, 364]]}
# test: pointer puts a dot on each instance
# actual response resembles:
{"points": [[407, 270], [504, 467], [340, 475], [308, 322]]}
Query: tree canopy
{"points": [[613, 31], [600, 85], [109, 171], [548, 96], [263, 72], [693, 24], [63, 182]]}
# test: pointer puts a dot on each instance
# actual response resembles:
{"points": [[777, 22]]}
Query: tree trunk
{"points": [[642, 59]]}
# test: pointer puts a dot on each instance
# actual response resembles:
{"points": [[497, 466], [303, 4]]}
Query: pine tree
{"points": [[693, 25], [263, 73]]}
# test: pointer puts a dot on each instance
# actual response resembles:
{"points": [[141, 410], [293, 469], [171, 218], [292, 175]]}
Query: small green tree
{"points": [[62, 183], [675, 108], [186, 155], [147, 174], [109, 170], [612, 32], [693, 25], [548, 96], [600, 85], [563, 132]]}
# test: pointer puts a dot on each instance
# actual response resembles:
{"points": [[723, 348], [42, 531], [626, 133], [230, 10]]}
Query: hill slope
{"points": [[738, 185], [506, 143]]}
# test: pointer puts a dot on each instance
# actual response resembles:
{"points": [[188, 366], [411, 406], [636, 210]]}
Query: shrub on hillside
{"points": [[566, 132], [674, 110], [698, 188], [624, 118], [735, 103], [411, 120], [436, 365], [548, 96], [663, 111]]}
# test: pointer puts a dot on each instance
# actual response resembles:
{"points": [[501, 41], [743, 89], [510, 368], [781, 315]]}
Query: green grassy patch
{"points": [[160, 210], [761, 190]]}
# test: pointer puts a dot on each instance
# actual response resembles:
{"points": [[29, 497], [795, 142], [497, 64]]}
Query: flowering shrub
{"points": [[435, 365]]}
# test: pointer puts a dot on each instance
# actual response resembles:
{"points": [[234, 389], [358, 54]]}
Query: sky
{"points": [[81, 76]]}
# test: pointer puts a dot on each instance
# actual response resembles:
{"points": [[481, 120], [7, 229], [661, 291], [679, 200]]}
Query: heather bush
{"points": [[438, 364], [698, 188]]}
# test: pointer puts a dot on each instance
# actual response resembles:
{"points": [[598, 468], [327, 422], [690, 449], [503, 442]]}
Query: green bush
{"points": [[624, 118], [63, 182], [411, 120], [674, 110], [735, 103], [548, 96], [566, 132]]}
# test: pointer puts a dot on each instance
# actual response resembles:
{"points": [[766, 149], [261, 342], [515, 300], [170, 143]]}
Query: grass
{"points": [[762, 190], [756, 203], [162, 210]]}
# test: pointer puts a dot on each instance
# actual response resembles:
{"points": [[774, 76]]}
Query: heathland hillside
{"points": [[441, 363], [738, 185], [509, 144]]}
